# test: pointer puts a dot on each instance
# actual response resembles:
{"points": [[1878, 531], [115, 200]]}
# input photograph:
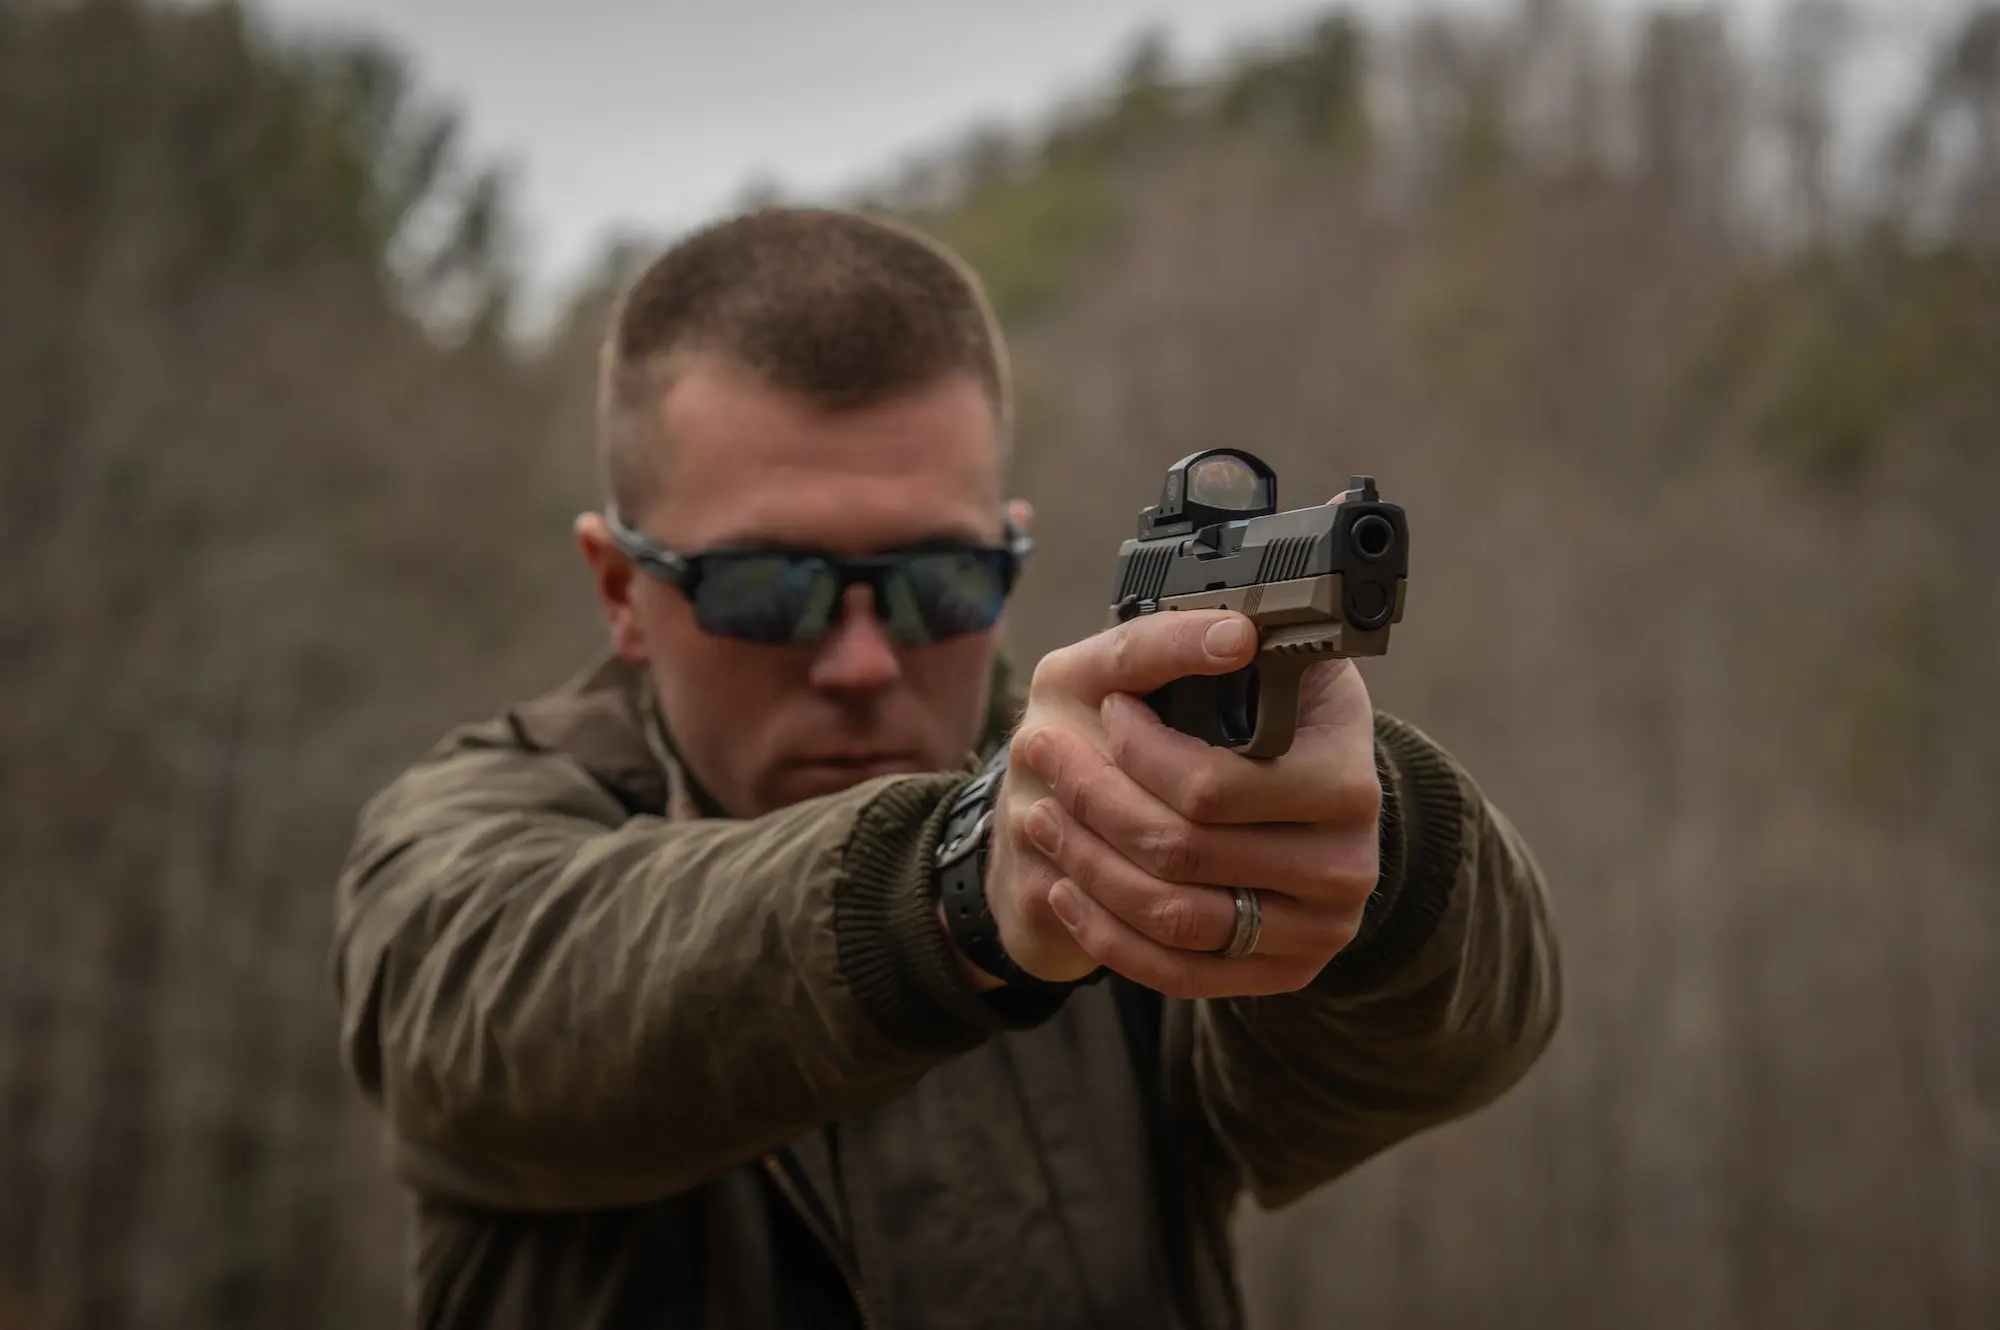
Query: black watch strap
{"points": [[963, 852]]}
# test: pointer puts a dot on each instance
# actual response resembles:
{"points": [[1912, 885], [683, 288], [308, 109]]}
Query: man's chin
{"points": [[811, 779]]}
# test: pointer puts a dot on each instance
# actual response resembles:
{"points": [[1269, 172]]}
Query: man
{"points": [[654, 980]]}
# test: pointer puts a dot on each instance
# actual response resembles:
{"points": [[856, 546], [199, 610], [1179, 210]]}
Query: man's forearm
{"points": [[556, 1007]]}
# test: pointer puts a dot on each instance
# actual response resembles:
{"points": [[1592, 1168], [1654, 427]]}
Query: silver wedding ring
{"points": [[1249, 924]]}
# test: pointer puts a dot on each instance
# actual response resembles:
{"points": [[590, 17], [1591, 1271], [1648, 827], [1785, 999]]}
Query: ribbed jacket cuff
{"points": [[899, 965], [1422, 830]]}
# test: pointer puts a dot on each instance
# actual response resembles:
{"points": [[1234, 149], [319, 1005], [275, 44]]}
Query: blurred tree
{"points": [[1688, 109], [1814, 36], [1948, 155], [222, 431], [1313, 92]]}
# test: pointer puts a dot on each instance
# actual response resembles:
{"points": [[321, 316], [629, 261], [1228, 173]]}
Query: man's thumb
{"points": [[1152, 651]]}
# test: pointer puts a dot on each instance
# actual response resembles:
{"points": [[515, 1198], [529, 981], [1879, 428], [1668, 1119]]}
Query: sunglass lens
{"points": [[946, 593], [776, 599]]}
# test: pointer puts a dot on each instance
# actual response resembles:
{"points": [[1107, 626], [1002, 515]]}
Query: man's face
{"points": [[747, 464]]}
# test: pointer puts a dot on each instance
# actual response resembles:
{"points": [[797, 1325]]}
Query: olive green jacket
{"points": [[643, 1067]]}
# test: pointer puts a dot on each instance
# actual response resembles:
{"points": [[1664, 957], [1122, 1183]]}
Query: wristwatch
{"points": [[960, 867]]}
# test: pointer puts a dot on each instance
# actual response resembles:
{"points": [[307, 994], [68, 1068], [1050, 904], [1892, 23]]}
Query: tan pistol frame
{"points": [[1298, 624]]}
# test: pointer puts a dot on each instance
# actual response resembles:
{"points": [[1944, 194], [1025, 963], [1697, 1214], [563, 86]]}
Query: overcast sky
{"points": [[655, 114]]}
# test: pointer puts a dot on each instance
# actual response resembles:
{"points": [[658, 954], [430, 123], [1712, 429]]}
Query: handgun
{"points": [[1318, 583]]}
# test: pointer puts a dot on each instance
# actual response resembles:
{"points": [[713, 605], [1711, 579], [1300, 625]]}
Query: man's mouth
{"points": [[860, 766]]}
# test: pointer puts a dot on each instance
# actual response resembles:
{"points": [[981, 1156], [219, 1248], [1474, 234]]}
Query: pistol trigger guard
{"points": [[1280, 673]]}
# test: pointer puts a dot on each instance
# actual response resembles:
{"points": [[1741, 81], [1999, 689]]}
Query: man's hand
{"points": [[1116, 838]]}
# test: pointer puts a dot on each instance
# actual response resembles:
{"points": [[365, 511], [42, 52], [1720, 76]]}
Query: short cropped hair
{"points": [[844, 310]]}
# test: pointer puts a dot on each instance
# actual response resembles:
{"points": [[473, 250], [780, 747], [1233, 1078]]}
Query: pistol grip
{"points": [[1215, 708], [1253, 711]]}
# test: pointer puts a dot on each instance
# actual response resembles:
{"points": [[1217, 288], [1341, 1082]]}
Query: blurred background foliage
{"points": [[1691, 386]]}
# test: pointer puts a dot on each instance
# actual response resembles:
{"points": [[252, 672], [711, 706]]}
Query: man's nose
{"points": [[857, 652]]}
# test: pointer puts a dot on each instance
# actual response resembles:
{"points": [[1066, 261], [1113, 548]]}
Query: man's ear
{"points": [[616, 581]]}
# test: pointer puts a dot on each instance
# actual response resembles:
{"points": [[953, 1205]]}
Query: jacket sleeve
{"points": [[1444, 1000], [558, 1005]]}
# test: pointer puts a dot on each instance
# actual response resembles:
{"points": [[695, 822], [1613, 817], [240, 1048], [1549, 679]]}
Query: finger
{"points": [[1327, 776], [1149, 652], [1178, 915], [1334, 695], [1027, 927], [1330, 863], [1117, 946]]}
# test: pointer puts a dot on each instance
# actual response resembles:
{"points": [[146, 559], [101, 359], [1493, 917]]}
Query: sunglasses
{"points": [[923, 594]]}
